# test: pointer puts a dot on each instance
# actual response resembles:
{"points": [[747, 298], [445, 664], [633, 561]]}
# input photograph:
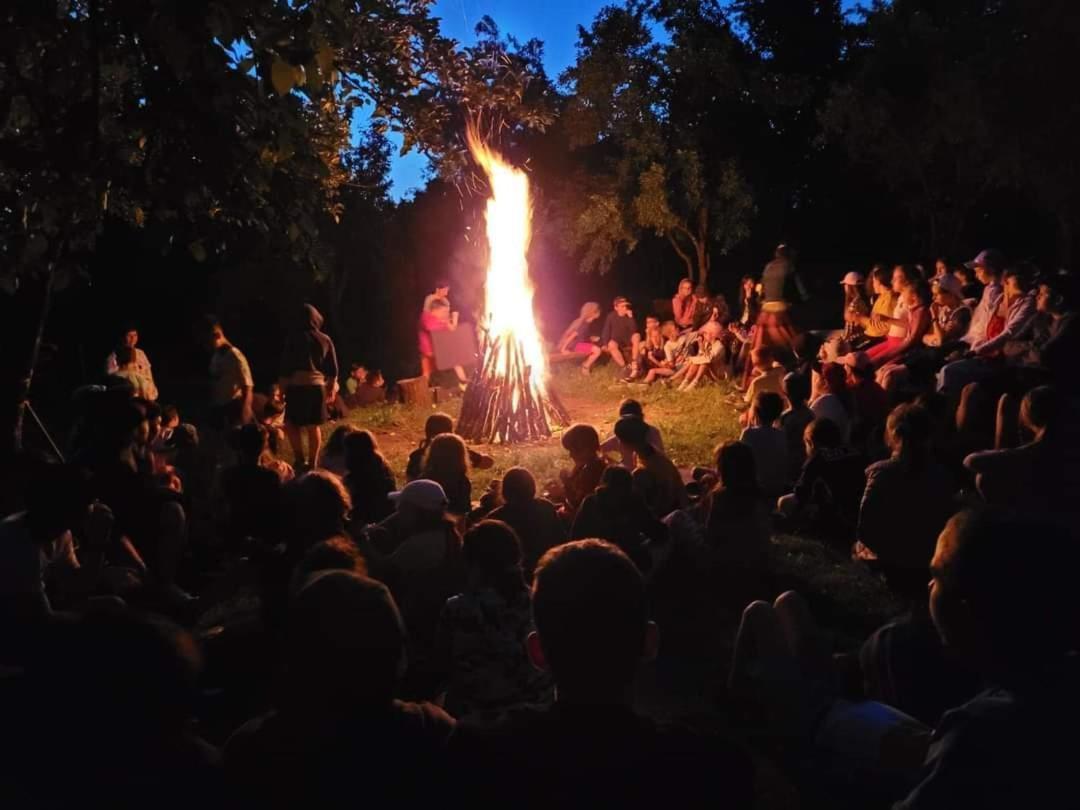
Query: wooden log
{"points": [[415, 391]]}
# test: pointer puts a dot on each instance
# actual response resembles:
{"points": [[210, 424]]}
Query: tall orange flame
{"points": [[514, 361]]}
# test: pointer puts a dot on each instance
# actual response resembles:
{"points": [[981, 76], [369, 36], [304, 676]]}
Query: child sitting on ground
{"points": [[768, 443], [613, 444], [793, 421], [768, 376], [583, 444], [826, 496], [436, 425], [674, 354]]}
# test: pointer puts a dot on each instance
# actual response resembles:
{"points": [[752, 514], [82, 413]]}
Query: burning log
{"points": [[508, 399], [502, 403]]}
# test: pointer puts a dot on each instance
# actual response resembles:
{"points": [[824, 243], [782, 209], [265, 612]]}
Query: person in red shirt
{"points": [[438, 318], [682, 305]]}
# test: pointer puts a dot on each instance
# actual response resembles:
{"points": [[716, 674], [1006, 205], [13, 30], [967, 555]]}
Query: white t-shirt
{"points": [[829, 406], [229, 372], [900, 310], [627, 457], [142, 364], [24, 562], [769, 446]]}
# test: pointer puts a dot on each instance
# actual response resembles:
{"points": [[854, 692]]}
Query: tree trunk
{"points": [[702, 261], [24, 357], [701, 244], [684, 256]]}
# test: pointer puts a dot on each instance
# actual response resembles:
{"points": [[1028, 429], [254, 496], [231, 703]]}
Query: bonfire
{"points": [[508, 399]]}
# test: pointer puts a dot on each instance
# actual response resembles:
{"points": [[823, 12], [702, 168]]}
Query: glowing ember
{"points": [[508, 399]]}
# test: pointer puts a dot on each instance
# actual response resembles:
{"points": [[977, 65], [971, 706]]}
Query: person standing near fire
{"points": [[436, 318]]}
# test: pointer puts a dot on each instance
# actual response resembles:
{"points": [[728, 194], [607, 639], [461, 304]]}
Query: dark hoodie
{"points": [[309, 351]]}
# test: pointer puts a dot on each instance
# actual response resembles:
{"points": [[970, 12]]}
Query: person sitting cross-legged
{"points": [[436, 425], [627, 457], [618, 512], [826, 496], [535, 520], [480, 640], [768, 443], [591, 748], [582, 442], [668, 492]]}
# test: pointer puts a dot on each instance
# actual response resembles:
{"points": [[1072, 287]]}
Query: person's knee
{"points": [[757, 615], [788, 505], [791, 603]]}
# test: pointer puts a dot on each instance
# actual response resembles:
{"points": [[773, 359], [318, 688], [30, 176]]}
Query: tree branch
{"points": [[682, 255]]}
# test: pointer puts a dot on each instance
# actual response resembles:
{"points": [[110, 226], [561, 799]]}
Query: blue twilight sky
{"points": [[553, 21]]}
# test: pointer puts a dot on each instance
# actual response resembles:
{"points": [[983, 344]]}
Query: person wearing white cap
{"points": [[855, 305], [951, 316], [420, 533]]}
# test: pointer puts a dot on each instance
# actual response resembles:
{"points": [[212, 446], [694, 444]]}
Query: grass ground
{"points": [[692, 423], [848, 598]]}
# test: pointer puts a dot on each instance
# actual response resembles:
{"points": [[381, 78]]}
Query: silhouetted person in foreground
{"points": [[591, 749], [336, 736]]}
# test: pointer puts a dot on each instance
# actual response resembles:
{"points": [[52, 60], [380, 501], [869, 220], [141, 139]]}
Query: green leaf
{"points": [[197, 251]]}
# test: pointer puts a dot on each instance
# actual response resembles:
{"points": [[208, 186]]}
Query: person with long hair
{"points": [[435, 425], [480, 639], [740, 332], [369, 478], [651, 350], [332, 458], [580, 336], [447, 462], [831, 398], [675, 348], [916, 325], [907, 500], [682, 305]]}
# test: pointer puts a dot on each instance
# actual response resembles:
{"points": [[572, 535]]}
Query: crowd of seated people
{"points": [[183, 622]]}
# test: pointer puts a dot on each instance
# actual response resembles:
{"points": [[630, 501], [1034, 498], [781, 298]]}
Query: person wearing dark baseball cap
{"points": [[988, 267], [994, 259]]}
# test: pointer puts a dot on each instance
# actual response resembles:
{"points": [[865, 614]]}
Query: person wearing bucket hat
{"points": [[855, 306]]}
